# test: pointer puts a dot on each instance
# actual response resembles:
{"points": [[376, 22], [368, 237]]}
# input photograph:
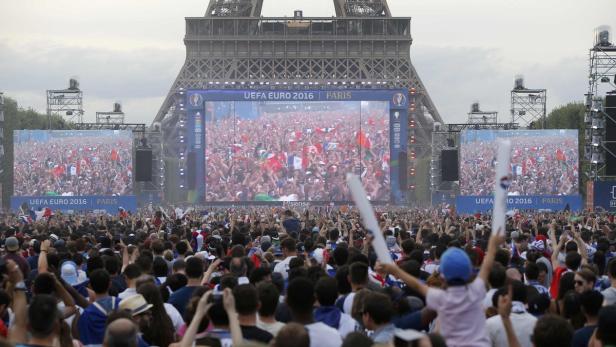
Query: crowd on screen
{"points": [[73, 166], [307, 278], [546, 165], [297, 155]]}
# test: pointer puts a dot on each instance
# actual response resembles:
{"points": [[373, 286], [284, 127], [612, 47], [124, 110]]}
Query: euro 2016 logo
{"points": [[505, 182], [195, 100], [399, 99]]}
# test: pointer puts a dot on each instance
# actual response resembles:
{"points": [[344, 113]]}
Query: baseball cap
{"points": [[136, 304], [12, 244], [68, 272], [456, 266]]}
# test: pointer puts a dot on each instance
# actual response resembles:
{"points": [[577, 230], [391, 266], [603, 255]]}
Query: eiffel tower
{"points": [[363, 46]]}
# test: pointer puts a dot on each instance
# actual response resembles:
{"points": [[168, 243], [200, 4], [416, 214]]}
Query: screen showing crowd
{"points": [[543, 162], [73, 163], [295, 151]]}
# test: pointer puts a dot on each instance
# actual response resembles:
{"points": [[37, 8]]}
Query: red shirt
{"points": [[558, 273]]}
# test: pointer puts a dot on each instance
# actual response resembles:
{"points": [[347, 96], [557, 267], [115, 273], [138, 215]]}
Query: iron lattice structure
{"points": [[232, 47], [113, 117], [601, 70], [67, 103], [528, 106]]}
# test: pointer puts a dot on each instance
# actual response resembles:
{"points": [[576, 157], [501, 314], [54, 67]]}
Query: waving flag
{"points": [[324, 130], [363, 140]]}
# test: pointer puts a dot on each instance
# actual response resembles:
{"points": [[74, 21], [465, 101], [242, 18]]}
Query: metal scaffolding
{"points": [[67, 103], [528, 106], [476, 116], [113, 117], [601, 71]]}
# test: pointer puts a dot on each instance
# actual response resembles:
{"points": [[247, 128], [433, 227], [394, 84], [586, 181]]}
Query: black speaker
{"points": [[449, 165], [143, 165], [402, 171], [610, 160], [610, 119], [191, 171]]}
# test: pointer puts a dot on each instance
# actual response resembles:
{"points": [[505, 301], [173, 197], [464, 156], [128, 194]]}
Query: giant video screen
{"points": [[543, 162], [72, 163], [299, 146]]}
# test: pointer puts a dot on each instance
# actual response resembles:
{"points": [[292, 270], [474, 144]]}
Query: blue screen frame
{"points": [[398, 123]]}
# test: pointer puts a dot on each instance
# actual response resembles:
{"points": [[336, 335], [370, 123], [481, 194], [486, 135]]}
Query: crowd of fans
{"points": [[263, 276], [541, 165], [73, 166], [298, 155]]}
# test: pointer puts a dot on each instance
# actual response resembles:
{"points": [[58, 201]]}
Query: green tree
{"points": [[16, 118], [571, 116]]}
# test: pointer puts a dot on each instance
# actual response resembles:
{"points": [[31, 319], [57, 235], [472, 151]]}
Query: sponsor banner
{"points": [[473, 204], [443, 198], [604, 195], [76, 203]]}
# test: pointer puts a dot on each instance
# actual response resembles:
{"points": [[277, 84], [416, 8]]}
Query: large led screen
{"points": [[73, 163], [543, 162], [299, 146]]}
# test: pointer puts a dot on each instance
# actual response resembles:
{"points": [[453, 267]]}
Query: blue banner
{"points": [[473, 204], [440, 198], [605, 195], [76, 203]]}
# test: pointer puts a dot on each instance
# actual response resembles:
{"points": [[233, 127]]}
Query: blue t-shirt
{"points": [[180, 298], [582, 336]]}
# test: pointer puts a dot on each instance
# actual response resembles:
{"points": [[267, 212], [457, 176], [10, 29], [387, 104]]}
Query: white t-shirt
{"points": [[272, 328], [283, 267], [176, 317], [322, 335], [128, 292], [347, 306], [347, 325], [523, 325]]}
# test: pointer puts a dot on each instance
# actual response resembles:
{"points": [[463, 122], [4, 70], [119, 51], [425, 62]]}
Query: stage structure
{"points": [[447, 137], [113, 117], [363, 47], [601, 71], [67, 103], [476, 116], [528, 106]]}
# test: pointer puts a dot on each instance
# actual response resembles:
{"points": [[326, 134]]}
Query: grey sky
{"points": [[131, 50]]}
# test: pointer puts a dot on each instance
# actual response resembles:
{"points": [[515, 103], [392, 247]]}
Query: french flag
{"points": [[45, 212], [324, 130]]}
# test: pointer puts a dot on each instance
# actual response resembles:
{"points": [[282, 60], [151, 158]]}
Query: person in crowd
{"points": [[194, 271], [121, 333], [591, 302], [300, 298], [609, 294], [584, 280], [327, 312], [292, 335], [11, 244], [131, 274], [289, 251], [269, 297], [91, 324], [377, 316], [162, 331], [246, 304], [522, 322]]}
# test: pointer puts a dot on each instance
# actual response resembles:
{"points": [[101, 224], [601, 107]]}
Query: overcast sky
{"points": [[132, 50]]}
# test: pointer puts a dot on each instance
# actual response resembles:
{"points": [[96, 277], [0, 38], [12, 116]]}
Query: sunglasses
{"points": [[579, 283]]}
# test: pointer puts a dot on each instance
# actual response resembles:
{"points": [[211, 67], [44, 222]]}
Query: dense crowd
{"points": [[300, 155], [546, 165], [73, 166], [268, 276]]}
